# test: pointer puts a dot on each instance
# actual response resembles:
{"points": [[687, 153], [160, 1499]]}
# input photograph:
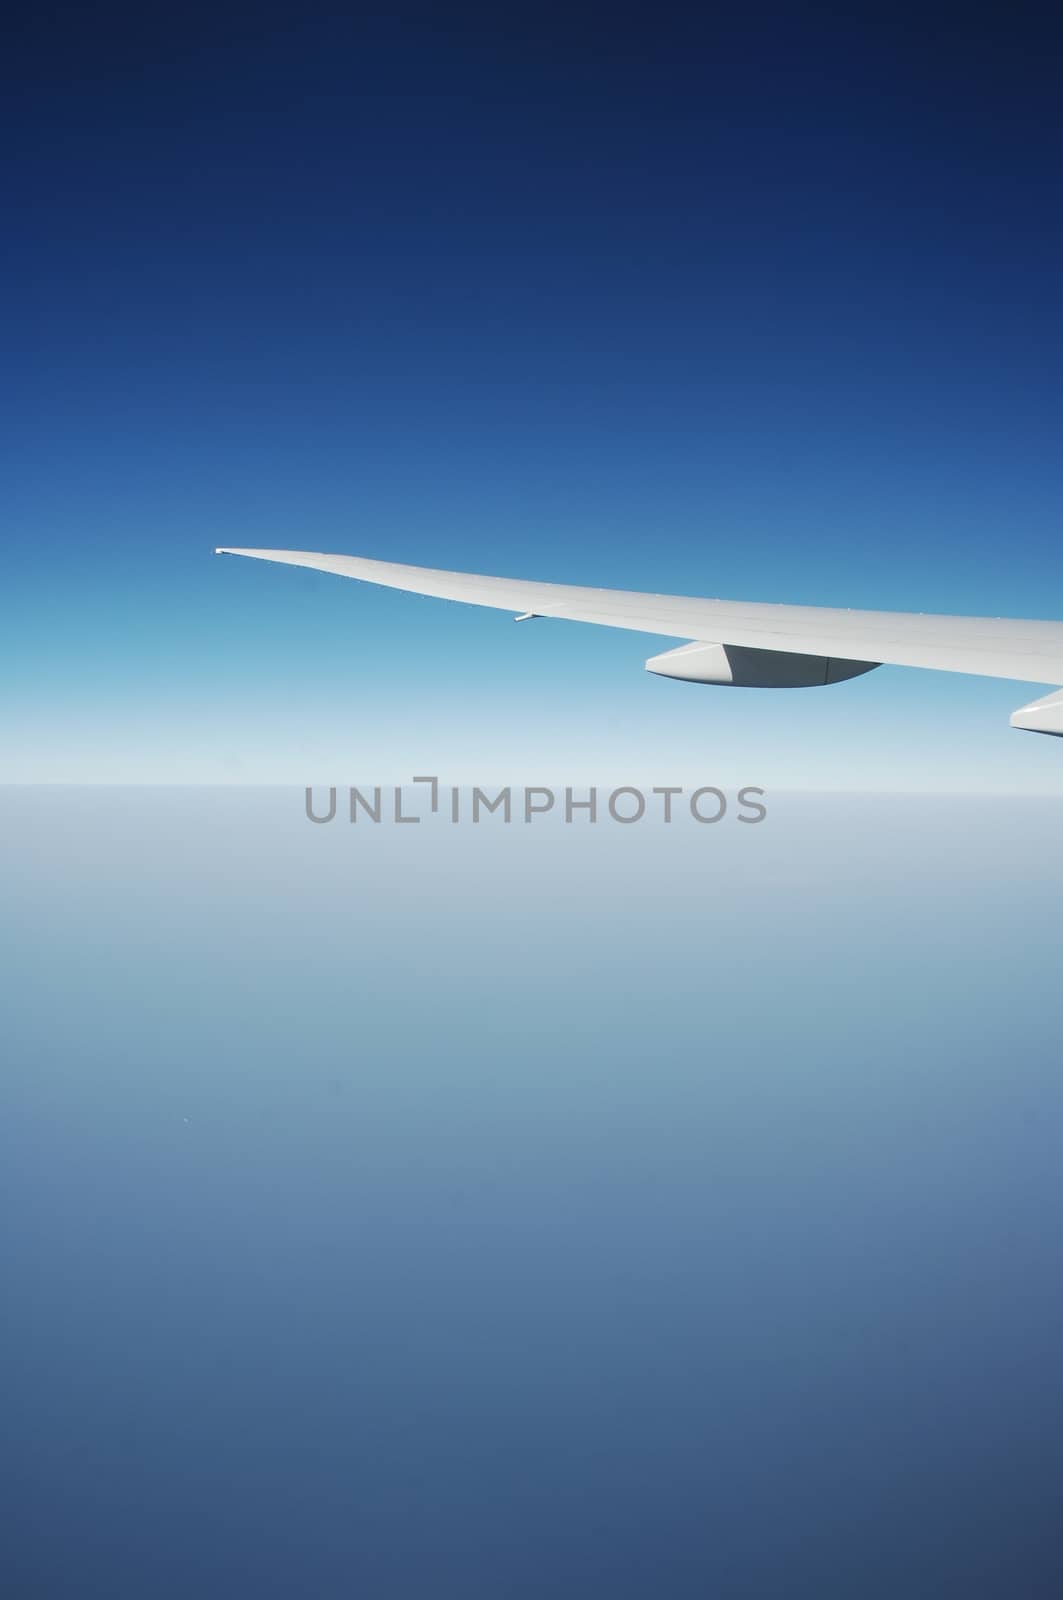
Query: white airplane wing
{"points": [[749, 644]]}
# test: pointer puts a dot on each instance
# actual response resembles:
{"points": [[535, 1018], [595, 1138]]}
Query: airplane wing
{"points": [[749, 644]]}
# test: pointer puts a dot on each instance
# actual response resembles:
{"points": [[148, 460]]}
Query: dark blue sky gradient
{"points": [[750, 305]]}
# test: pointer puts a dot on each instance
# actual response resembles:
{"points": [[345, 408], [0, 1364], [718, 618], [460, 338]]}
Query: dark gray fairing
{"points": [[742, 667]]}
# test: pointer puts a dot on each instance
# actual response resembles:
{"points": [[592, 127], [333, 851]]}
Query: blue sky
{"points": [[758, 309]]}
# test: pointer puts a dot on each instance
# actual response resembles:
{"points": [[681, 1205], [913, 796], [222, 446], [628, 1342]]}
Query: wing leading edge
{"points": [[740, 642]]}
